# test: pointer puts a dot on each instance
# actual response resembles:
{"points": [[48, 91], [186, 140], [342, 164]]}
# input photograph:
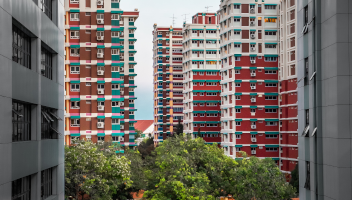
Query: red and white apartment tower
{"points": [[99, 71], [167, 76], [249, 68], [288, 87], [201, 77]]}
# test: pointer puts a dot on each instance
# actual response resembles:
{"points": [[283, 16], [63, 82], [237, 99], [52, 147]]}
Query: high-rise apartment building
{"points": [[99, 71], [168, 80], [288, 87], [31, 96], [324, 99], [249, 67], [201, 76]]}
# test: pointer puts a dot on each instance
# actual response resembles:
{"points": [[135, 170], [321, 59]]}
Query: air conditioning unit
{"points": [[100, 91], [253, 127], [100, 125], [252, 61], [101, 108], [253, 87], [100, 37], [100, 72], [100, 2], [100, 55], [252, 11], [122, 139], [254, 139], [253, 152], [253, 36], [252, 23], [252, 74], [253, 49], [253, 100], [100, 21]]}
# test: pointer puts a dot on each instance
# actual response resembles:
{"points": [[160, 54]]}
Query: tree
{"points": [[95, 170], [146, 147], [186, 168], [138, 135], [295, 179], [179, 127], [199, 134]]}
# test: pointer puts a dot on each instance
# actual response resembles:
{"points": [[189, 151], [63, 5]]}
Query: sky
{"points": [[160, 12]]}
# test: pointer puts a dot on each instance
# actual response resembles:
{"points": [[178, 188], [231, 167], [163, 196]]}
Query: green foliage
{"points": [[295, 179], [186, 168], [146, 147], [179, 128], [95, 170]]}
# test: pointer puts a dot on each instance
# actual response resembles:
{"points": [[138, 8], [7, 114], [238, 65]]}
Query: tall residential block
{"points": [[99, 72], [249, 68], [288, 87], [201, 72], [324, 99], [168, 81], [31, 96]]}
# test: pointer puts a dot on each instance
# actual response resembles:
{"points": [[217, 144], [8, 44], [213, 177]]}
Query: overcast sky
{"points": [[160, 12]]}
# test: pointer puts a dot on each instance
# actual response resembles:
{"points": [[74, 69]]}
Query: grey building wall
{"points": [[20, 159], [328, 98]]}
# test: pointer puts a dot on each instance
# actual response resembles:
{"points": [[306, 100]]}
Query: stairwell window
{"points": [[21, 47], [46, 63], [46, 6], [21, 121], [21, 188], [46, 183]]}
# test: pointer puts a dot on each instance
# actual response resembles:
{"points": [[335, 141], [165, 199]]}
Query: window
{"points": [[47, 64], [47, 123], [74, 52], [115, 16], [236, 6], [270, 97], [270, 7], [236, 20], [270, 110], [114, 34], [46, 7], [270, 136], [100, 16], [270, 59], [270, 71], [46, 183], [21, 121], [238, 123], [270, 85], [270, 149], [100, 33], [238, 136], [101, 139], [270, 32], [21, 47], [238, 110], [74, 1], [87, 13], [75, 87], [75, 104], [270, 20], [271, 123], [238, 149], [114, 86], [237, 58], [306, 71], [307, 183], [75, 122], [252, 110], [74, 34], [306, 15], [21, 189]]}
